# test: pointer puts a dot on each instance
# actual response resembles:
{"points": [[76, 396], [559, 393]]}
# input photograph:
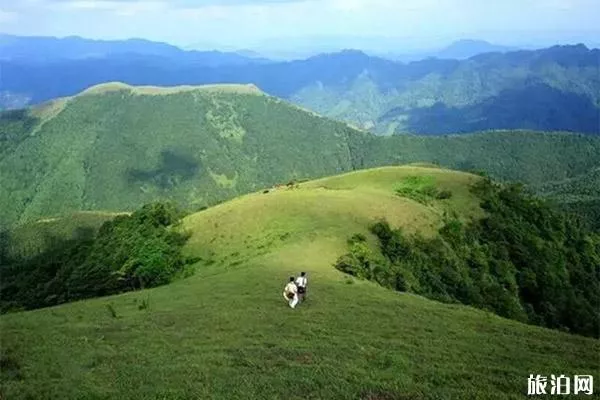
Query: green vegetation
{"points": [[527, 157], [579, 195], [523, 261], [116, 148], [421, 189], [225, 332], [127, 253]]}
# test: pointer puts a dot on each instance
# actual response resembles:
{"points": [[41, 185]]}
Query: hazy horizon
{"points": [[263, 25]]}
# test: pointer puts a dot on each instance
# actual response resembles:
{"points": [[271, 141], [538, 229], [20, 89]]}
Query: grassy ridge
{"points": [[116, 147], [226, 332], [328, 207]]}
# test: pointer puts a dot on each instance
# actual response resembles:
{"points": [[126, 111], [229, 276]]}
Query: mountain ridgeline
{"points": [[41, 49], [553, 89], [115, 147]]}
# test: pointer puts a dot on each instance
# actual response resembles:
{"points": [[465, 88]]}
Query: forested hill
{"points": [[557, 88], [115, 147]]}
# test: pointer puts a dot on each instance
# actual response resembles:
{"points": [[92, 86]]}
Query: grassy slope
{"points": [[226, 332]]}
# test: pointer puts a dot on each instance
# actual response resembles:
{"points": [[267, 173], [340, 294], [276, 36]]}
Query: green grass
{"points": [[226, 333], [334, 207], [117, 147]]}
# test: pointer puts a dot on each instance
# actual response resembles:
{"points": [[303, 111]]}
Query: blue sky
{"points": [[248, 23]]}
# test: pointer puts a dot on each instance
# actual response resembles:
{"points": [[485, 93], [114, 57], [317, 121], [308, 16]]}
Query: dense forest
{"points": [[524, 260], [549, 89], [580, 195], [126, 253]]}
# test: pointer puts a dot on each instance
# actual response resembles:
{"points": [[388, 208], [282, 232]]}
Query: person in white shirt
{"points": [[290, 293], [301, 282]]}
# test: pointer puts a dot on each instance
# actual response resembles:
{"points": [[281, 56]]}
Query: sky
{"points": [[415, 24]]}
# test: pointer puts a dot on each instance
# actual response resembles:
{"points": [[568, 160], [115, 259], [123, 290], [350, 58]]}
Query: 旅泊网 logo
{"points": [[560, 385]]}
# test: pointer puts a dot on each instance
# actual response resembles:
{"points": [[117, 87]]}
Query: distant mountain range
{"points": [[553, 89], [459, 50], [51, 49], [289, 49]]}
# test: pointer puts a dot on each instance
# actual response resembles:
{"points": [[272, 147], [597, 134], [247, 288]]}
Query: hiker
{"points": [[290, 293], [301, 282]]}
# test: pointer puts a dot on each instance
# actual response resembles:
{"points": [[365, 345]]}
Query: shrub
{"points": [[145, 304], [444, 195], [10, 367], [421, 189]]}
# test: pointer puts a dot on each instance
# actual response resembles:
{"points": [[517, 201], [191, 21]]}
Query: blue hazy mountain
{"points": [[556, 88], [35, 49]]}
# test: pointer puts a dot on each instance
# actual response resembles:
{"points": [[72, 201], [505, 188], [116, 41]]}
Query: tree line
{"points": [[127, 253], [524, 260]]}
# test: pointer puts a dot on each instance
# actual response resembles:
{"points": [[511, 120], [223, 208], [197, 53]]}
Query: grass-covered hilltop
{"points": [[377, 323], [115, 147]]}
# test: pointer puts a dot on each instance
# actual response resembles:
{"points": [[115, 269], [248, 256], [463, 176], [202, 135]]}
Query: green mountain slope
{"points": [[116, 147], [227, 333], [580, 195], [582, 186], [523, 156]]}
